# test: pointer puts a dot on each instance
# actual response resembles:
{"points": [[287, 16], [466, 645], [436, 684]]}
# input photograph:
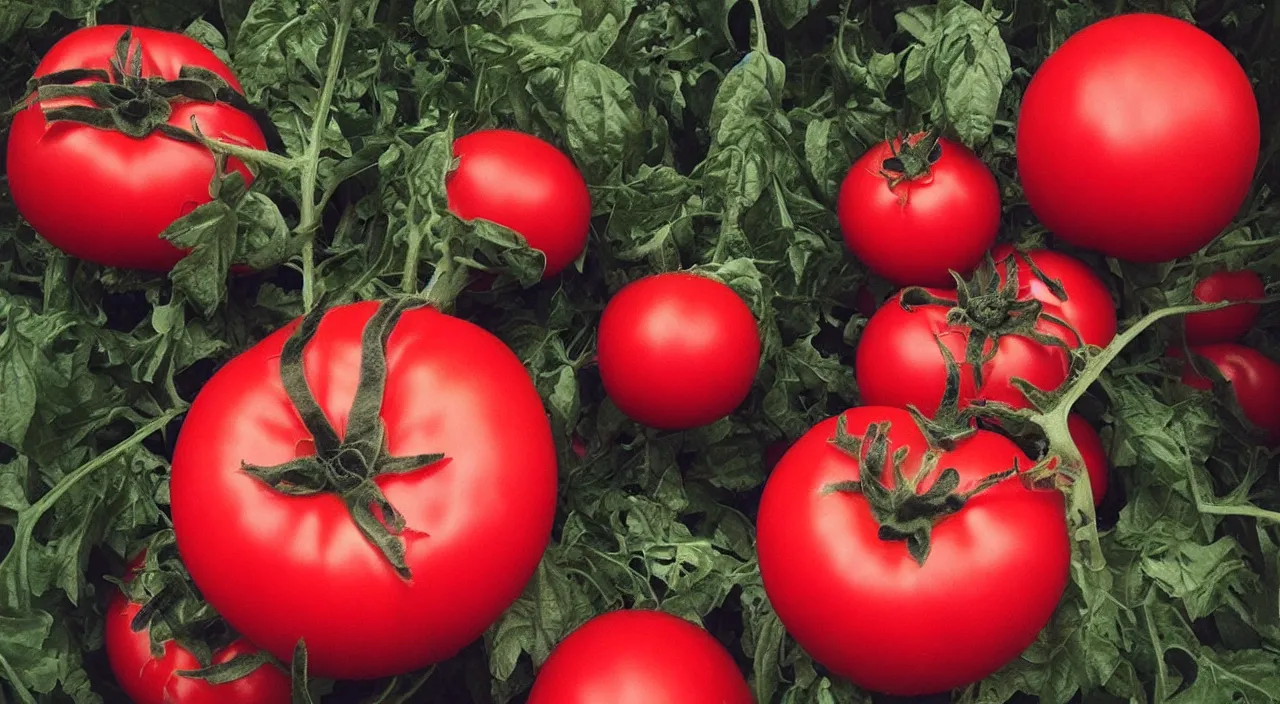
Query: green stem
{"points": [[248, 155], [91, 17], [762, 42], [28, 519], [447, 281], [409, 284], [1247, 511], [309, 217]]}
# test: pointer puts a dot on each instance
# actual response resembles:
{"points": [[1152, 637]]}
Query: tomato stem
{"points": [[309, 217]]}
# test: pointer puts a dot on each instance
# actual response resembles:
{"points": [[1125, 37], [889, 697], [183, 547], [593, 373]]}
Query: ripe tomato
{"points": [[847, 586], [103, 195], [640, 657], [915, 228], [1138, 138], [148, 679], [1089, 443], [1254, 378], [527, 185], [282, 561], [678, 350], [899, 362], [1225, 324]]}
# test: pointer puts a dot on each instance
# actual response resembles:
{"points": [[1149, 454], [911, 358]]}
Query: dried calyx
{"points": [[347, 466], [126, 101], [990, 309], [902, 512], [910, 161]]}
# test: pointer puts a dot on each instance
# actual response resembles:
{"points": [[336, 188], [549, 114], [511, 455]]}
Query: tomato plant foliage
{"points": [[713, 137]]}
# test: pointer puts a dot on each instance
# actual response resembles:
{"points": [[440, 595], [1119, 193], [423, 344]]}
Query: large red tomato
{"points": [[1138, 138], [1225, 324], [914, 218], [640, 657], [527, 185], [106, 193], [151, 679], [1254, 377], [678, 350], [283, 556], [939, 593], [899, 362]]}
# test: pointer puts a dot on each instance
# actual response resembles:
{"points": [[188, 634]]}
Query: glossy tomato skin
{"points": [[916, 232], [899, 364], [1089, 443], [522, 182], [151, 680], [864, 608], [1225, 324], [1254, 377], [1138, 138], [640, 657], [103, 196], [280, 568], [678, 350]]}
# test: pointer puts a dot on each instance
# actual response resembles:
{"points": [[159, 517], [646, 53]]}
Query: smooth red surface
{"points": [[151, 680], [1138, 138], [640, 657], [280, 568], [1225, 324], [527, 185], [1089, 443], [678, 350], [916, 232], [899, 363], [1254, 377], [106, 197], [864, 608]]}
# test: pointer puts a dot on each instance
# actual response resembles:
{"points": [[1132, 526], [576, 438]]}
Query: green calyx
{"points": [[902, 512], [126, 101], [348, 466], [911, 161], [991, 310], [172, 609]]}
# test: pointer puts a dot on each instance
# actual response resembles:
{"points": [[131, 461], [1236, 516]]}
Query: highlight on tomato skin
{"points": [[523, 183], [1225, 324], [1254, 379], [639, 656]]}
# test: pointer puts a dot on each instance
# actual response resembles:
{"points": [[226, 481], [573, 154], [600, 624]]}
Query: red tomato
{"points": [[640, 657], [527, 185], [864, 606], [1225, 324], [105, 196], [281, 567], [1089, 443], [678, 350], [148, 679], [899, 363], [1254, 378], [915, 231], [1138, 138]]}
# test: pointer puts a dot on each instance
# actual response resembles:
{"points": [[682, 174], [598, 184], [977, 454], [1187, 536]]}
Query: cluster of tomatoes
{"points": [[383, 476]]}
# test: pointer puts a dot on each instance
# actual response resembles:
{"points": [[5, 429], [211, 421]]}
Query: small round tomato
{"points": [[899, 362], [640, 657], [1254, 378], [678, 350], [523, 183], [1225, 324], [917, 588], [151, 679], [105, 194], [1138, 138], [915, 217]]}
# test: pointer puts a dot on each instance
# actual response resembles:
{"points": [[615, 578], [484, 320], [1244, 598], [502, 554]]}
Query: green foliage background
{"points": [[706, 144]]}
